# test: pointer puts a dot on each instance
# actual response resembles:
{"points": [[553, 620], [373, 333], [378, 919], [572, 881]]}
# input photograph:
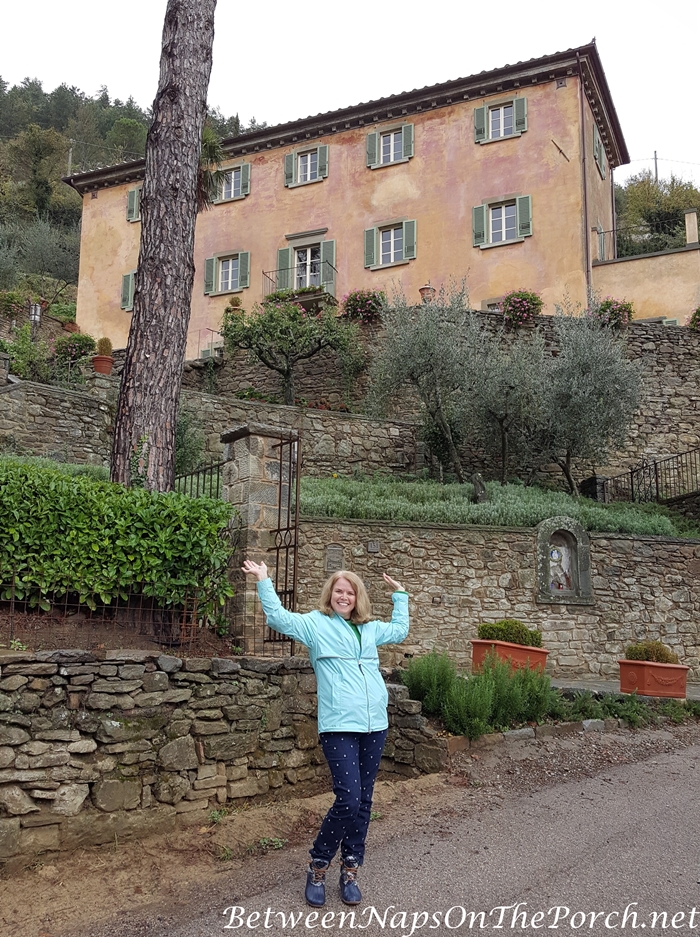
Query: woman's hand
{"points": [[254, 569], [396, 586]]}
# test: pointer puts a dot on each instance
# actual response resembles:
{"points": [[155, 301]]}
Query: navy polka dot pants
{"points": [[353, 758]]}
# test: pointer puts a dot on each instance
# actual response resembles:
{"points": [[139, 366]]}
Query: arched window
{"points": [[563, 563]]}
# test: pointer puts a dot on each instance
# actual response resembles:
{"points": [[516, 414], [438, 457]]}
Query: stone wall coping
{"points": [[523, 531], [672, 250], [258, 429], [55, 391]]}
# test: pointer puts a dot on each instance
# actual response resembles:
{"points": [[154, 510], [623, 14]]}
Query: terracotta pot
{"points": [[520, 655], [102, 364], [71, 327], [647, 678]]}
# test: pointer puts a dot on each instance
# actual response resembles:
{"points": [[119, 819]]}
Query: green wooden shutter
{"points": [[209, 273], [407, 134], [409, 240], [372, 149], [323, 160], [243, 269], [245, 179], [132, 205], [328, 266], [523, 214], [479, 225], [520, 113], [128, 291], [370, 246], [289, 161], [480, 121], [284, 272]]}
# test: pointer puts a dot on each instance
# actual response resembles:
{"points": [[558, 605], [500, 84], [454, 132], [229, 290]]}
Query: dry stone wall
{"points": [[643, 587], [121, 743]]}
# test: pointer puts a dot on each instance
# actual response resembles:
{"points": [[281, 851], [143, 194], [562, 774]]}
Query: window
{"points": [[599, 152], [392, 243], [502, 221], [498, 121], [390, 146], [226, 273], [127, 303], [304, 166], [310, 264], [133, 205], [235, 183]]}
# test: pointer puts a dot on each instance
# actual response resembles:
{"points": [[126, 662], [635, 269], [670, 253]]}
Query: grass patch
{"points": [[507, 506]]}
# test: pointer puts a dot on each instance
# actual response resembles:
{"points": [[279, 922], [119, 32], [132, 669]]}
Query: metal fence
{"points": [[204, 482], [58, 619], [657, 479]]}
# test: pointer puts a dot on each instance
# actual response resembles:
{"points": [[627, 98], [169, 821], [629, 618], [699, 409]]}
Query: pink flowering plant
{"points": [[613, 312], [520, 307], [694, 321], [363, 305]]}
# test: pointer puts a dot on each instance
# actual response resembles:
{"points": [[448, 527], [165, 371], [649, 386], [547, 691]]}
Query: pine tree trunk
{"points": [[144, 435]]}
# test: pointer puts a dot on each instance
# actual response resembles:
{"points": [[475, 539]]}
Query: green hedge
{"points": [[64, 534], [510, 629]]}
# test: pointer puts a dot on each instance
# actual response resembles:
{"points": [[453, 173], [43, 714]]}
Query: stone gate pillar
{"points": [[253, 483]]}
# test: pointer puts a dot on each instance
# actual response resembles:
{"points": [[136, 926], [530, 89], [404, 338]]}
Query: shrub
{"points": [[363, 305], [28, 360], [11, 303], [694, 320], [468, 705], [509, 629], [612, 312], [429, 679], [103, 347], [72, 347], [519, 307], [72, 535], [651, 651]]}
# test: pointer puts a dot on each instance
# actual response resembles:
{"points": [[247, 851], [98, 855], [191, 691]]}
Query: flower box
{"points": [[649, 678], [520, 655]]}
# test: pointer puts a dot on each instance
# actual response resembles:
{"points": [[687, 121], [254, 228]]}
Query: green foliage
{"points": [[68, 534], [510, 629], [468, 706], [651, 651], [103, 346], [189, 442], [520, 307], [694, 321], [429, 679], [612, 312], [63, 311], [281, 334], [73, 346], [29, 360], [127, 137], [250, 393], [363, 305], [507, 506], [289, 295], [650, 213], [426, 349], [12, 303]]}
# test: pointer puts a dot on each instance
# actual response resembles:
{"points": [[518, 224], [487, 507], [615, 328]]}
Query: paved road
{"points": [[626, 839]]}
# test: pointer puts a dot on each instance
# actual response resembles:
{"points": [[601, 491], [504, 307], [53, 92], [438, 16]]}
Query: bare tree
{"points": [[144, 436]]}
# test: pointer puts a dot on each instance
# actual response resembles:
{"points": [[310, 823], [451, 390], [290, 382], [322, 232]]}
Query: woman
{"points": [[352, 719]]}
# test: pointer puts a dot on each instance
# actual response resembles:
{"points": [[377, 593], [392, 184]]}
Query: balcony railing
{"points": [[656, 480], [638, 239], [318, 273]]}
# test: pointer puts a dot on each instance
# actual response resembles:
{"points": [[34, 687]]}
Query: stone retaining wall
{"points": [[643, 587], [120, 743]]}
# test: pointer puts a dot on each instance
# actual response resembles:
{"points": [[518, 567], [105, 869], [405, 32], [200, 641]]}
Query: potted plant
{"points": [[652, 669], [103, 361], [510, 640]]}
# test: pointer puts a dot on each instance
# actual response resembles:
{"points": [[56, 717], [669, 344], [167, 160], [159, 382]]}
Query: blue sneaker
{"points": [[349, 890], [315, 893]]}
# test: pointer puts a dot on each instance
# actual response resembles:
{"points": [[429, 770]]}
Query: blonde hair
{"points": [[362, 612]]}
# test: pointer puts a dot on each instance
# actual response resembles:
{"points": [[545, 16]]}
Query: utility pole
{"points": [[656, 168]]}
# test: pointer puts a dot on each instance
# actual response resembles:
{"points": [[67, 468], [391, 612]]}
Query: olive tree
{"points": [[428, 349], [281, 333], [590, 393]]}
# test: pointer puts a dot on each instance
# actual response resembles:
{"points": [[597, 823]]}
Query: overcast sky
{"points": [[278, 61]]}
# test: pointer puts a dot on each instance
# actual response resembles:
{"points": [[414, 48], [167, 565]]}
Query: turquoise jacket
{"points": [[352, 695]]}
